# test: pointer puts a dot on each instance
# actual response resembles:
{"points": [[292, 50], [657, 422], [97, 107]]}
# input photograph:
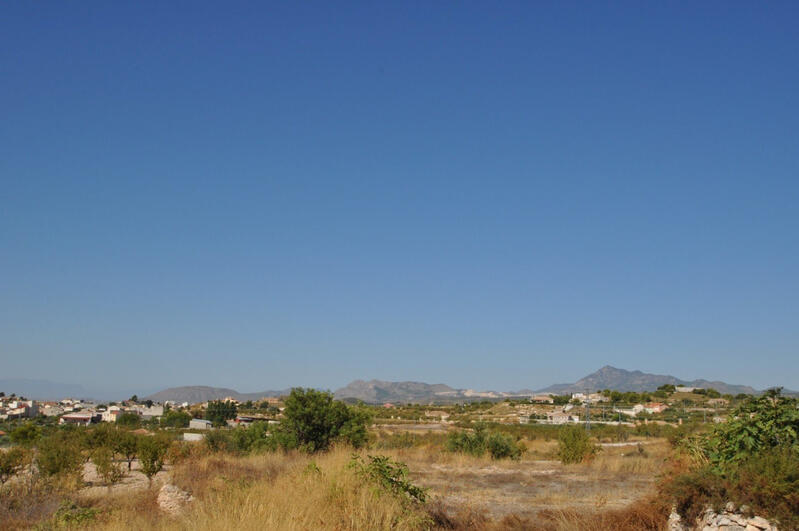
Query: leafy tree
{"points": [[25, 435], [58, 455], [107, 469], [129, 420], [175, 419], [148, 403], [126, 444], [761, 423], [219, 412], [134, 399], [11, 462], [313, 420], [152, 453], [712, 393], [561, 400]]}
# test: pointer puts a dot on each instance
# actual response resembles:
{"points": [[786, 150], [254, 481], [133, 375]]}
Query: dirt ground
{"points": [[133, 480], [618, 477]]}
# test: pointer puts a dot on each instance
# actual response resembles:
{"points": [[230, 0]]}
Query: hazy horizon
{"points": [[490, 196]]}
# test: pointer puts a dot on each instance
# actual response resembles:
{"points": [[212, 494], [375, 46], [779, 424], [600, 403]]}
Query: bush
{"points": [[25, 435], [218, 441], [253, 438], [504, 447], [753, 459], [575, 446], [760, 424], [468, 443]]}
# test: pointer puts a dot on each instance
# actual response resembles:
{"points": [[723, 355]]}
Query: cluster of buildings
{"points": [[73, 411], [17, 408], [94, 414]]}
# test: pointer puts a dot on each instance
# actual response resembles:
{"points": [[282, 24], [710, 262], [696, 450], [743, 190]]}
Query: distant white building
{"points": [[200, 424]]}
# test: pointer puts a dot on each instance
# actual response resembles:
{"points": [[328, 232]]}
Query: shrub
{"points": [[575, 446], [217, 440], [468, 443], [763, 423], [753, 458], [25, 435], [504, 447], [390, 475], [253, 438]]}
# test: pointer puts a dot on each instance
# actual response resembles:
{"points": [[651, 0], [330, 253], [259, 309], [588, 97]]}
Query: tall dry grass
{"points": [[278, 491]]}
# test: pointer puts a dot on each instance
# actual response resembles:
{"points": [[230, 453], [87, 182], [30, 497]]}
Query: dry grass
{"points": [[276, 491], [296, 491]]}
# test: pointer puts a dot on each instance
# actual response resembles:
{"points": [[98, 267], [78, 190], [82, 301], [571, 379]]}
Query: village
{"points": [[674, 407]]}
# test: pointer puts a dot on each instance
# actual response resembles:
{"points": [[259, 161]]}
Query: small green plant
{"points": [[575, 446], [391, 476]]}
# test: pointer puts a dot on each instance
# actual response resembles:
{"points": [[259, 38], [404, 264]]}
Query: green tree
{"points": [[59, 455], [126, 444], [313, 420], [175, 419], [762, 423], [129, 420], [219, 412], [107, 468], [152, 453]]}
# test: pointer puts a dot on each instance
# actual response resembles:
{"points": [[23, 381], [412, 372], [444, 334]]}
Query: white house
{"points": [[200, 424]]}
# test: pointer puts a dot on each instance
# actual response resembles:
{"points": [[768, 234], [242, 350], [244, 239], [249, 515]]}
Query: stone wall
{"points": [[727, 520]]}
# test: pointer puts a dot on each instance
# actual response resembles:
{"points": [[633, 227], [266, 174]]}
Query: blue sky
{"points": [[491, 196]]}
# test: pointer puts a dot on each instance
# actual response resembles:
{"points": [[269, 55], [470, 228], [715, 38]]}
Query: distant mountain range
{"points": [[622, 380], [201, 393], [378, 391]]}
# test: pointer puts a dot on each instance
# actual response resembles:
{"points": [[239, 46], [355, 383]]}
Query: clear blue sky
{"points": [[487, 195]]}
